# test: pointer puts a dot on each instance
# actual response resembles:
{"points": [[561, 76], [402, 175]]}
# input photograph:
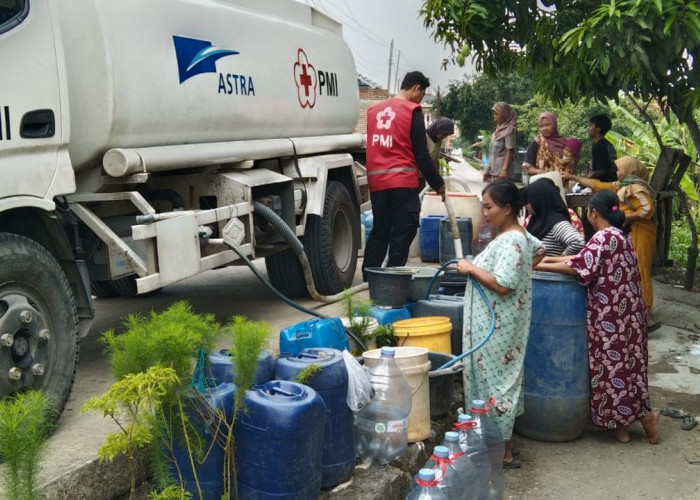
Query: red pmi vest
{"points": [[390, 159]]}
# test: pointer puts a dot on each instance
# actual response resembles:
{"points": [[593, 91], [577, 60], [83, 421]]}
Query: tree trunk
{"points": [[693, 248], [694, 133]]}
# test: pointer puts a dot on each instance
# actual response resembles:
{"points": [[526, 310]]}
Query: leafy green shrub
{"points": [[680, 241], [132, 402], [25, 423], [170, 338]]}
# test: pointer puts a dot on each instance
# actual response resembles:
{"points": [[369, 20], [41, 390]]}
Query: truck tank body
{"points": [[167, 72]]}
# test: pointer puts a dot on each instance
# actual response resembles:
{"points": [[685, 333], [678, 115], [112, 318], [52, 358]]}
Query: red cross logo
{"points": [[385, 117], [306, 80]]}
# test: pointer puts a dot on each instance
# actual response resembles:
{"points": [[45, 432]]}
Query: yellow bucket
{"points": [[431, 332]]}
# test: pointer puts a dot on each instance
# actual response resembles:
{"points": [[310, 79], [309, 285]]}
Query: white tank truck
{"points": [[136, 137]]}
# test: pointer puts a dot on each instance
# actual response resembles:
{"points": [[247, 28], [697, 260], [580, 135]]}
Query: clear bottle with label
{"points": [[491, 436], [475, 448], [381, 428]]}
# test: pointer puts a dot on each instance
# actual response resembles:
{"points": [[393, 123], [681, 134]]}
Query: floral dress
{"points": [[617, 340], [496, 369]]}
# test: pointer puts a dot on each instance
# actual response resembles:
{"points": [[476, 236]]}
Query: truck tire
{"points": [[38, 321], [331, 241], [285, 274]]}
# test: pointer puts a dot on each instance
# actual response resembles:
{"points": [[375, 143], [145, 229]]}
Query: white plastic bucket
{"points": [[554, 177], [415, 366], [463, 204], [372, 325]]}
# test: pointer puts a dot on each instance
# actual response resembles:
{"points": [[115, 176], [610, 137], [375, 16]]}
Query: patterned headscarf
{"points": [[555, 142], [635, 179]]}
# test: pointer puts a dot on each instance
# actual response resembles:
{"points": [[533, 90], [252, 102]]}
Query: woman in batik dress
{"points": [[616, 317]]}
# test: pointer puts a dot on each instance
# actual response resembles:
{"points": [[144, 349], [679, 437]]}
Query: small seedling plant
{"points": [[25, 424]]}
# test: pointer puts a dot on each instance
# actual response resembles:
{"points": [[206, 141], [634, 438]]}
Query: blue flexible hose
{"points": [[488, 304]]}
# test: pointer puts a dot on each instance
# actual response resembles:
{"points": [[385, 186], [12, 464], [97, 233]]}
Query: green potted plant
{"points": [[357, 318]]}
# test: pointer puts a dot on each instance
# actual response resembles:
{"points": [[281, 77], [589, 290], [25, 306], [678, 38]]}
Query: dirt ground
{"points": [[596, 465]]}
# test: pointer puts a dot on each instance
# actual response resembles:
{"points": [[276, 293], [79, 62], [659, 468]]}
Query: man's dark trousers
{"points": [[396, 215]]}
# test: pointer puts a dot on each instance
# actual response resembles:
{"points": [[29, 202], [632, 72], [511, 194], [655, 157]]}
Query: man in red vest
{"points": [[396, 151]]}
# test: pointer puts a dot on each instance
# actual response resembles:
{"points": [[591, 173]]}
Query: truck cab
{"points": [[141, 142]]}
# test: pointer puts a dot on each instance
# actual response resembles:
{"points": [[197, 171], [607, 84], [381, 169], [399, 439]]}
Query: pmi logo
{"points": [[197, 56], [308, 80]]}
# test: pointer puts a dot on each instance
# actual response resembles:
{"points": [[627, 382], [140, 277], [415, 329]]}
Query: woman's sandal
{"points": [[673, 412], [687, 424], [513, 464]]}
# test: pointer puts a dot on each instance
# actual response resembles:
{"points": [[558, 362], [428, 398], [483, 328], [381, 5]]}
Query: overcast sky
{"points": [[370, 25]]}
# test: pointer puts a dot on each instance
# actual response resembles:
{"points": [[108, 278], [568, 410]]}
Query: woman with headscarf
{"points": [[637, 203], [543, 153], [503, 143], [550, 221], [436, 132]]}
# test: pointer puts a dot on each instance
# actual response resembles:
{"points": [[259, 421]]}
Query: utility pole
{"points": [[398, 61], [391, 58]]}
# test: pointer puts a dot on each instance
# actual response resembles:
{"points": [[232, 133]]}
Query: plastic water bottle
{"points": [[488, 432], [484, 237], [464, 468], [381, 428], [446, 474], [425, 487], [473, 446]]}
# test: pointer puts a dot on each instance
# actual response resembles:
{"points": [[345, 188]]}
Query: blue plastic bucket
{"points": [[556, 361], [279, 442], [446, 248], [317, 332], [367, 220], [387, 315], [331, 383], [429, 238], [221, 367], [204, 412]]}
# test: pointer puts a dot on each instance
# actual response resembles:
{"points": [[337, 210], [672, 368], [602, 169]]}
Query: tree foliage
{"points": [[470, 102], [577, 48]]}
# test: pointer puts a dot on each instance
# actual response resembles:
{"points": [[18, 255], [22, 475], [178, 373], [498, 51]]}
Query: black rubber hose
{"points": [[283, 297], [270, 216]]}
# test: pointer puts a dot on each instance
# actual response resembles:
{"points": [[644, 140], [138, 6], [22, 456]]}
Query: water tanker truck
{"points": [[136, 141]]}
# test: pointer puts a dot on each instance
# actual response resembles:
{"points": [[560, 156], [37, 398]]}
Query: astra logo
{"points": [[308, 79], [197, 56]]}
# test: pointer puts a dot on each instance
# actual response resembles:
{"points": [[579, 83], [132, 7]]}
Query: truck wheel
{"points": [[331, 242], [285, 274], [38, 321]]}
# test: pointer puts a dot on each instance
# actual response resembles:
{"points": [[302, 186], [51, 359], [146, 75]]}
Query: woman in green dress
{"points": [[504, 270]]}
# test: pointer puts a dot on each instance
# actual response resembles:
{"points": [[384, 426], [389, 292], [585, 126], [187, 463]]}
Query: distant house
{"points": [[370, 92]]}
